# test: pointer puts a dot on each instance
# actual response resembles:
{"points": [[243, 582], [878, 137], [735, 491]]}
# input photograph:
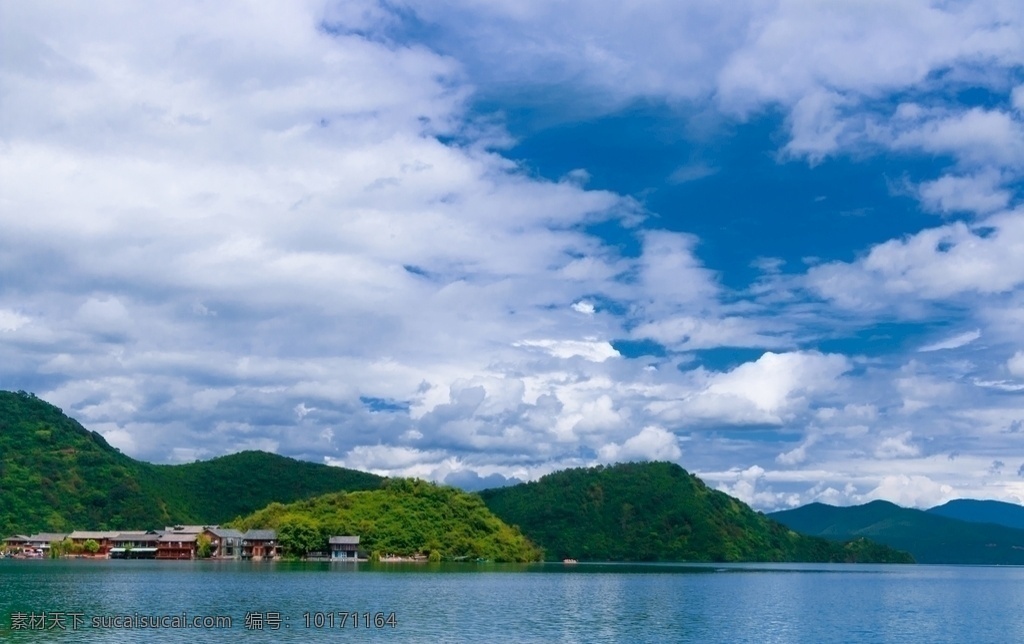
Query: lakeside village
{"points": [[173, 542]]}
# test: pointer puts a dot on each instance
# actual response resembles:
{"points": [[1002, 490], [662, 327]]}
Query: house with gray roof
{"points": [[176, 545], [344, 548], [103, 538], [260, 545], [226, 542], [135, 545]]}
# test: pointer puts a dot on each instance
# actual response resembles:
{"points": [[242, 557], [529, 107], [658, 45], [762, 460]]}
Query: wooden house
{"points": [[176, 545], [103, 538], [226, 543], [260, 545], [344, 548], [135, 545]]}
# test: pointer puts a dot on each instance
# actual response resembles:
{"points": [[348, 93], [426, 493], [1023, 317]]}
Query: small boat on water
{"points": [[569, 561]]}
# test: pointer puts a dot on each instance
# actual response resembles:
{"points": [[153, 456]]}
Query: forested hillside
{"points": [[404, 517], [657, 512], [55, 475]]}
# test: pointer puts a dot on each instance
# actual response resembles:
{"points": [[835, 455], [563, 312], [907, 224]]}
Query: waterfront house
{"points": [[16, 542], [344, 548], [260, 544], [135, 545], [226, 543], [41, 540], [176, 545], [103, 538]]}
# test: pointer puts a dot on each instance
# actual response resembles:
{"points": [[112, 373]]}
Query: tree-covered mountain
{"points": [[930, 538], [403, 517], [1010, 515], [657, 512], [55, 475]]}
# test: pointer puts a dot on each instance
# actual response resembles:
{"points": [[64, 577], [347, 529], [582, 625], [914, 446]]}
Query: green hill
{"points": [[1010, 515], [403, 517], [55, 475], [930, 538], [657, 512]]}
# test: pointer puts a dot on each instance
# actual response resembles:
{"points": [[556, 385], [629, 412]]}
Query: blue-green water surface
{"points": [[509, 603]]}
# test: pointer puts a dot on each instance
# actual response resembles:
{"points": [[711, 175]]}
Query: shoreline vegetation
{"points": [[56, 476]]}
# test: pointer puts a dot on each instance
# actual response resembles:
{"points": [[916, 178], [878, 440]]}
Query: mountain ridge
{"points": [[1002, 513], [928, 536], [657, 511], [56, 475]]}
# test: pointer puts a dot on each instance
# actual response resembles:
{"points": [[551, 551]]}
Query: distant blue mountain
{"points": [[928, 536], [1010, 515]]}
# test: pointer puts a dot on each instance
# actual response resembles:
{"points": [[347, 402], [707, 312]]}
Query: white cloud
{"points": [[797, 455], [688, 332], [897, 447], [583, 307], [386, 459], [670, 273], [1016, 364], [911, 491], [937, 263], [12, 320], [748, 485], [692, 172], [651, 444], [954, 342], [980, 194], [977, 136], [769, 389], [594, 350], [247, 230]]}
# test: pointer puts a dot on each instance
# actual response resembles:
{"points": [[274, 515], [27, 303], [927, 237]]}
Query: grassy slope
{"points": [[55, 475], [405, 517], [656, 512], [929, 537]]}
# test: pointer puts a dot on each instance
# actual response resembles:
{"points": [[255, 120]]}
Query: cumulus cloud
{"points": [[749, 486], [911, 491], [586, 308], [980, 194], [935, 264], [897, 447], [651, 444], [769, 389], [798, 454], [316, 245]]}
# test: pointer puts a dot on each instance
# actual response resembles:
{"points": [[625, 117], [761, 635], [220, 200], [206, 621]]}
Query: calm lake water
{"points": [[497, 603]]}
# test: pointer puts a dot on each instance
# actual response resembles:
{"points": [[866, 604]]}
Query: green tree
{"points": [[299, 535], [204, 546], [91, 546]]}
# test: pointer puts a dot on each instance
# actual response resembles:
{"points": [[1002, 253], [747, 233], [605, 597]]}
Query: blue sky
{"points": [[778, 242]]}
